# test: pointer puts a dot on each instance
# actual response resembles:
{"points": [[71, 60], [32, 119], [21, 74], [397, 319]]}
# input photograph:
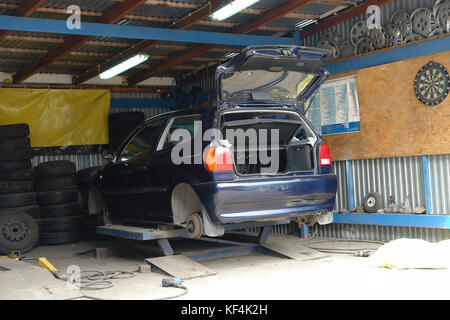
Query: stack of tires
{"points": [[18, 203], [121, 124], [61, 216]]}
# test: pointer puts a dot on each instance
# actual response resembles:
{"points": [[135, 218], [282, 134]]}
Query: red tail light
{"points": [[218, 159], [325, 155]]}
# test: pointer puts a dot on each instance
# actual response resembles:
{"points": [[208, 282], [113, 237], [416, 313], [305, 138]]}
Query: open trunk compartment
{"points": [[258, 150]]}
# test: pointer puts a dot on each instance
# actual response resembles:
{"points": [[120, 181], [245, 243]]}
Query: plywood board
{"points": [[394, 123]]}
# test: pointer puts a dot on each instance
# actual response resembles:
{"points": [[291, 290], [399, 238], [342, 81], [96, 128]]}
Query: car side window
{"points": [[181, 122], [142, 144]]}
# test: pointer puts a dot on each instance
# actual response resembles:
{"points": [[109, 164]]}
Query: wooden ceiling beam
{"points": [[73, 43], [143, 46]]}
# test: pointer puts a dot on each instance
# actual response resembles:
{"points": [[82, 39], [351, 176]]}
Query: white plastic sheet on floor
{"points": [[412, 254]]}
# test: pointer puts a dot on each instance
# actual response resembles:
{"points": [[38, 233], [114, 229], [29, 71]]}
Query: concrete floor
{"points": [[337, 276]]}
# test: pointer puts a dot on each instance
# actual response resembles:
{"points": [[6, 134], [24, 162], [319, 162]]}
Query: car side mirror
{"points": [[108, 154]]}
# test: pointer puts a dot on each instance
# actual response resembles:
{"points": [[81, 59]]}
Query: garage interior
{"points": [[390, 147]]}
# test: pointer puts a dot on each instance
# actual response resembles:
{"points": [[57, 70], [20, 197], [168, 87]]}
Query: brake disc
{"points": [[378, 38], [358, 31], [423, 21], [393, 35], [443, 14], [364, 45], [346, 49], [413, 37], [402, 20]]}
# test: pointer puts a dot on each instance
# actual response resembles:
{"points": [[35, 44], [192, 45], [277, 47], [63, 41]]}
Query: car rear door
{"points": [[127, 190]]}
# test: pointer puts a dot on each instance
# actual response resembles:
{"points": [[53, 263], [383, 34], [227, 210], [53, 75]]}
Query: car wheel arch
{"points": [[184, 202]]}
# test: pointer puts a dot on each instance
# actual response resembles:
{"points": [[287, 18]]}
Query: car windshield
{"points": [[264, 85]]}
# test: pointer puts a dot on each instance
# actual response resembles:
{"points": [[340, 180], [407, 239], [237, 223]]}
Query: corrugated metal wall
{"points": [[340, 170], [440, 183], [386, 12], [399, 177], [378, 233]]}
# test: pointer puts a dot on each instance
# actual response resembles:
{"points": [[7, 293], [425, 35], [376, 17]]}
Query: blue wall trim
{"points": [[143, 103], [390, 55], [142, 33], [399, 220]]}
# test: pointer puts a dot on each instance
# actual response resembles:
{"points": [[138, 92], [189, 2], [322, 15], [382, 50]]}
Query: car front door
{"points": [[162, 167], [127, 190]]}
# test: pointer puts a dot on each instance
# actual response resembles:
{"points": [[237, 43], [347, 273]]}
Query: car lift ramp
{"points": [[162, 237]]}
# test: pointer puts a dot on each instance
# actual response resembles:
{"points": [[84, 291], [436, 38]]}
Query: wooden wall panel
{"points": [[394, 123]]}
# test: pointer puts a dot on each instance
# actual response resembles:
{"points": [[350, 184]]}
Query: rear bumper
{"points": [[267, 198]]}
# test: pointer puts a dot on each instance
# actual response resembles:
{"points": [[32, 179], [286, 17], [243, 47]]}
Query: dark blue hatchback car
{"points": [[253, 157]]}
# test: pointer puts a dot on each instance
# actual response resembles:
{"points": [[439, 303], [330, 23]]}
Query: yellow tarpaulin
{"points": [[58, 117]]}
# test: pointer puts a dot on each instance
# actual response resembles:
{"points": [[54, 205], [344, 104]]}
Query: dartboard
{"points": [[432, 84]]}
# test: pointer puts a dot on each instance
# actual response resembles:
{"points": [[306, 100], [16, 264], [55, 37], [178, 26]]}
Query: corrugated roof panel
{"points": [[85, 5], [162, 11], [316, 8]]}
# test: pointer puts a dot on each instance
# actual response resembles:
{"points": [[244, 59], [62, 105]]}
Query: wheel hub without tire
{"points": [[393, 35], [358, 31], [15, 230], [402, 20], [423, 21]]}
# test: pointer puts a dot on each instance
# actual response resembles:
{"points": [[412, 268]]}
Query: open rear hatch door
{"points": [[270, 76]]}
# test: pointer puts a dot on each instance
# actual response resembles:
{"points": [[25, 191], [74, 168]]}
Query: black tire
{"points": [[21, 175], [57, 197], [14, 144], [373, 202], [64, 237], [14, 130], [55, 168], [73, 223], [86, 176], [16, 186], [17, 155], [32, 210], [10, 166], [60, 210], [18, 231], [13, 200], [56, 183]]}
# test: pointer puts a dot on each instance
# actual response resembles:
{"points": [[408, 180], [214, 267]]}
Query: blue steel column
{"points": [[427, 184], [350, 187], [304, 230]]}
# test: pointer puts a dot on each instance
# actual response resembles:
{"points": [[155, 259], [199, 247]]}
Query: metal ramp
{"points": [[185, 265]]}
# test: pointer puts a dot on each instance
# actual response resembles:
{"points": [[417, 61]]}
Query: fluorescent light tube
{"points": [[123, 66], [304, 23], [231, 9]]}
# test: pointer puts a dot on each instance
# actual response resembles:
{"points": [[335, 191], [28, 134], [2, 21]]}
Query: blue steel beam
{"points": [[142, 33], [397, 220], [390, 55]]}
